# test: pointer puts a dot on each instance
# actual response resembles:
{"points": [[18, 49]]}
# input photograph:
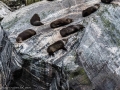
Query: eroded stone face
{"points": [[96, 47], [4, 10], [9, 60]]}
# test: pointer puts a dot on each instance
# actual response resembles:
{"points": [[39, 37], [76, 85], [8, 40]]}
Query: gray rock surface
{"points": [[96, 47], [9, 60], [4, 10], [16, 73]]}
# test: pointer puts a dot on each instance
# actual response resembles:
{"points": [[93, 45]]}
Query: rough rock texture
{"points": [[18, 74], [39, 75], [96, 48], [9, 60], [100, 47], [37, 45], [4, 10]]}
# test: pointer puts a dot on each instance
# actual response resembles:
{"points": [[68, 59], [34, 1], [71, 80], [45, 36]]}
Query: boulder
{"points": [[96, 48], [4, 10], [9, 60]]}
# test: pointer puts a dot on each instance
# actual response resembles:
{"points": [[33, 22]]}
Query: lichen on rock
{"points": [[96, 47]]}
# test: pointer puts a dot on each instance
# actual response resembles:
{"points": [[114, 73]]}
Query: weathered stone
{"points": [[9, 60], [4, 10], [96, 47]]}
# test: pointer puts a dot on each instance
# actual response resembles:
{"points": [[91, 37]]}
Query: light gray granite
{"points": [[97, 47], [4, 10]]}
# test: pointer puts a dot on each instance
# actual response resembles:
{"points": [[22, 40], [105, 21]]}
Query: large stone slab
{"points": [[96, 47]]}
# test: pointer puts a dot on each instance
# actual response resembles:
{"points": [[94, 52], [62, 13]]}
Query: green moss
{"points": [[110, 27], [104, 19], [104, 10], [31, 1], [118, 41], [79, 71], [85, 80], [82, 71], [81, 76], [106, 22]]}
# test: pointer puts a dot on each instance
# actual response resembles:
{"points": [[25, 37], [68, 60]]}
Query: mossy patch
{"points": [[79, 71], [111, 29], [107, 23], [80, 75], [103, 11], [32, 1], [85, 80]]}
